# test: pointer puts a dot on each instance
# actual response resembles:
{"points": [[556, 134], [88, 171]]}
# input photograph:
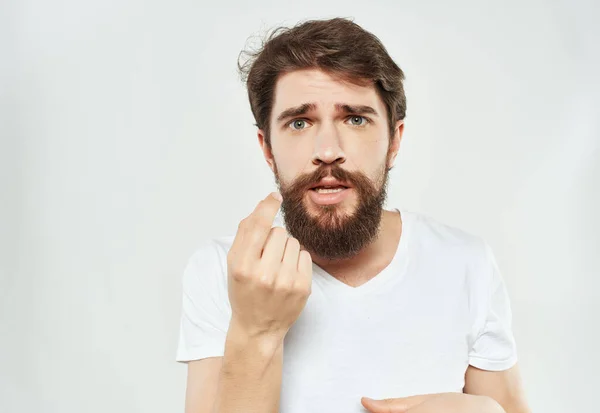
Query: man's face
{"points": [[330, 153]]}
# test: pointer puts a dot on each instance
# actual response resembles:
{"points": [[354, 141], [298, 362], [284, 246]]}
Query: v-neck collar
{"points": [[395, 268]]}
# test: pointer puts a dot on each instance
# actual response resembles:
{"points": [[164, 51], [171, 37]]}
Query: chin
{"points": [[338, 211]]}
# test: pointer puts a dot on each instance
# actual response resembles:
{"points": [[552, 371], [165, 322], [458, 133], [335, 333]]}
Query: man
{"points": [[323, 301]]}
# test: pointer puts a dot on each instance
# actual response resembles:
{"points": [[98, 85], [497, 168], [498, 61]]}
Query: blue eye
{"points": [[301, 124], [298, 124], [360, 120]]}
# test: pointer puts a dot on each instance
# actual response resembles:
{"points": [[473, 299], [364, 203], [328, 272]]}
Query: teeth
{"points": [[328, 191]]}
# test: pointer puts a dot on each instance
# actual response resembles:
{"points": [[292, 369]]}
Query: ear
{"points": [[267, 152], [395, 143]]}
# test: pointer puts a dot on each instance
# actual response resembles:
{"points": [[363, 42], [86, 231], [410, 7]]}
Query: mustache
{"points": [[307, 181]]}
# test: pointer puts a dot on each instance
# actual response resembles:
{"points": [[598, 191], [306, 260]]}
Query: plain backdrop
{"points": [[127, 139]]}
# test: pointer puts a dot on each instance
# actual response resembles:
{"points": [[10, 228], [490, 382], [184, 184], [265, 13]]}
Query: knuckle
{"points": [[284, 287], [266, 282], [239, 275], [243, 224], [305, 290], [262, 222], [242, 271]]}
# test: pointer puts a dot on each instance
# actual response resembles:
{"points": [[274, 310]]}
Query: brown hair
{"points": [[337, 46]]}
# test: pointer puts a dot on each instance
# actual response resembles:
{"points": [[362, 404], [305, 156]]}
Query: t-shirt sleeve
{"points": [[206, 312], [494, 347]]}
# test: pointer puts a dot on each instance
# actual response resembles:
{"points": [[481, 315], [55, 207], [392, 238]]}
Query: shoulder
{"points": [[432, 234], [451, 254], [208, 262], [212, 250]]}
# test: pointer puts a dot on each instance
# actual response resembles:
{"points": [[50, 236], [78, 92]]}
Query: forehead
{"points": [[313, 85]]}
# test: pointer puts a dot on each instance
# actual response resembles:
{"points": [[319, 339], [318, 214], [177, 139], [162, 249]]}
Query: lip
{"points": [[330, 182], [329, 199]]}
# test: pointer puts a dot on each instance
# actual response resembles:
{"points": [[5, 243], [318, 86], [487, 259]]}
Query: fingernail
{"points": [[277, 196]]}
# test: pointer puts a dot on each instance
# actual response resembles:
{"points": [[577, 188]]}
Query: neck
{"points": [[377, 254]]}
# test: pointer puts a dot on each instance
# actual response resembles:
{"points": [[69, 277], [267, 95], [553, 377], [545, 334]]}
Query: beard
{"points": [[330, 233]]}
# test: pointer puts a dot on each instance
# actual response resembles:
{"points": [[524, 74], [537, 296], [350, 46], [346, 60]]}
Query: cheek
{"points": [[376, 147], [291, 162], [368, 155]]}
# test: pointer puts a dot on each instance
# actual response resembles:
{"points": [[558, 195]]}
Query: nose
{"points": [[328, 148]]}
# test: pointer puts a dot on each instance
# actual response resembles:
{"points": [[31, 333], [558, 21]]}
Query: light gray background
{"points": [[127, 139]]}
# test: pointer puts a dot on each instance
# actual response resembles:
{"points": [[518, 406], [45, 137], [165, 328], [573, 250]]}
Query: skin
{"points": [[269, 282], [330, 135], [248, 377]]}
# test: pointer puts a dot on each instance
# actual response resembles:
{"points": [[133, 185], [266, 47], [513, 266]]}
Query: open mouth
{"points": [[328, 189], [329, 195]]}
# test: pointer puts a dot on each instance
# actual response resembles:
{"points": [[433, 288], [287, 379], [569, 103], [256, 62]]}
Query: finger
{"points": [[384, 405], [397, 405], [239, 240], [258, 224], [273, 252], [291, 255], [455, 403], [304, 269]]}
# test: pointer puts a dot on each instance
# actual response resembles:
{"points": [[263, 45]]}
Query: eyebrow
{"points": [[339, 107]]}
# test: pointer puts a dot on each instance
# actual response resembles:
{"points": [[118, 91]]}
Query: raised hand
{"points": [[269, 274]]}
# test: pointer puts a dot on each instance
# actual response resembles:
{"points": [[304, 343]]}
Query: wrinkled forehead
{"points": [[324, 90]]}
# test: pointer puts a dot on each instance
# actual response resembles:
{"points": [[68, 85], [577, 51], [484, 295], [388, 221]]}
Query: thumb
{"points": [[399, 405], [384, 405]]}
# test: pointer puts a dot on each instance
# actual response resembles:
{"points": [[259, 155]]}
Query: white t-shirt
{"points": [[440, 305]]}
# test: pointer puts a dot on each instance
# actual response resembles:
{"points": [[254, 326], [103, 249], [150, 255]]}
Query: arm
{"points": [[248, 375], [268, 281], [250, 378], [493, 369], [505, 387], [202, 380]]}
